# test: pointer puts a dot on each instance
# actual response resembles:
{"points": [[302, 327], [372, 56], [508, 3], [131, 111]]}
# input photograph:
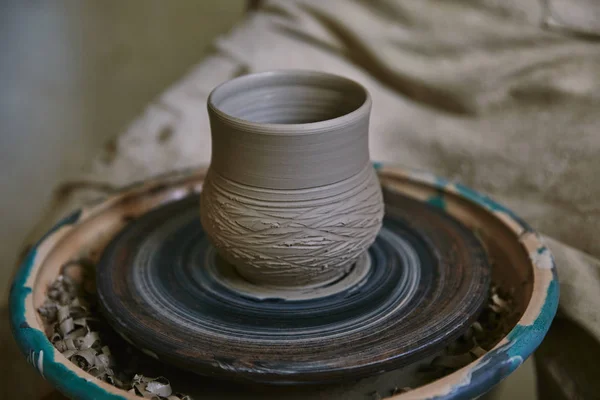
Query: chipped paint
{"points": [[40, 363], [542, 258], [508, 355], [32, 341], [468, 382], [437, 201]]}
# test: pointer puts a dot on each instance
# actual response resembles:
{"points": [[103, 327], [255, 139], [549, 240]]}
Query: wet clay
{"points": [[292, 237], [291, 198]]}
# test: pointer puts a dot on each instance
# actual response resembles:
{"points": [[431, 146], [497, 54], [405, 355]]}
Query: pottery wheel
{"points": [[163, 287]]}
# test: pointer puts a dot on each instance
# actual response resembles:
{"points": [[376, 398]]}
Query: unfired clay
{"points": [[291, 198]]}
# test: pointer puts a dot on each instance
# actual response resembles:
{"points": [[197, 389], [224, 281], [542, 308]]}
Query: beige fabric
{"points": [[500, 95]]}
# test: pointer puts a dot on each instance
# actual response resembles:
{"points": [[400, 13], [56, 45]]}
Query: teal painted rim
{"points": [[33, 342], [468, 382]]}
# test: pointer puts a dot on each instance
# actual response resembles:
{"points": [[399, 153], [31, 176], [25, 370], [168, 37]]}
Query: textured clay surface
{"points": [[294, 237]]}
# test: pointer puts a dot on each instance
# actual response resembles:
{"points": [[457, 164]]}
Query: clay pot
{"points": [[291, 198]]}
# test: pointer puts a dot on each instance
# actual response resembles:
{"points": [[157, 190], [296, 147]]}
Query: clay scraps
{"points": [[74, 328]]}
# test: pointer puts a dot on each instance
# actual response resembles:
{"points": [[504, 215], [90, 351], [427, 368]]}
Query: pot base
{"points": [[227, 275]]}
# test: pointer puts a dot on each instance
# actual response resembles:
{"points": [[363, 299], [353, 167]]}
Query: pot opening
{"points": [[288, 98]]}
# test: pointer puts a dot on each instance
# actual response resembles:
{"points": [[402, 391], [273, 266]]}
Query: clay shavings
{"points": [[493, 323], [69, 315]]}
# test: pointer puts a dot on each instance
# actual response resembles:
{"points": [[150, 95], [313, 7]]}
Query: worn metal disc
{"points": [[163, 287]]}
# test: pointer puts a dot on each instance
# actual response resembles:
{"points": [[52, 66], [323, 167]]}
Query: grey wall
{"points": [[72, 75]]}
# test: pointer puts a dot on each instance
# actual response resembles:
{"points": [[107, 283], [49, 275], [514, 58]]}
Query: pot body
{"points": [[291, 198]]}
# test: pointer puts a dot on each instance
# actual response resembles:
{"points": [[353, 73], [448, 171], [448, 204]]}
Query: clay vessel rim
{"points": [[291, 75]]}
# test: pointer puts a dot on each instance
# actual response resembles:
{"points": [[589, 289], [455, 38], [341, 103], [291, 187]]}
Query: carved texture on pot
{"points": [[297, 236]]}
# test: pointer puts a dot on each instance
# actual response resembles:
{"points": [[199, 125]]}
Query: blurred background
{"points": [[73, 75], [459, 81]]}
